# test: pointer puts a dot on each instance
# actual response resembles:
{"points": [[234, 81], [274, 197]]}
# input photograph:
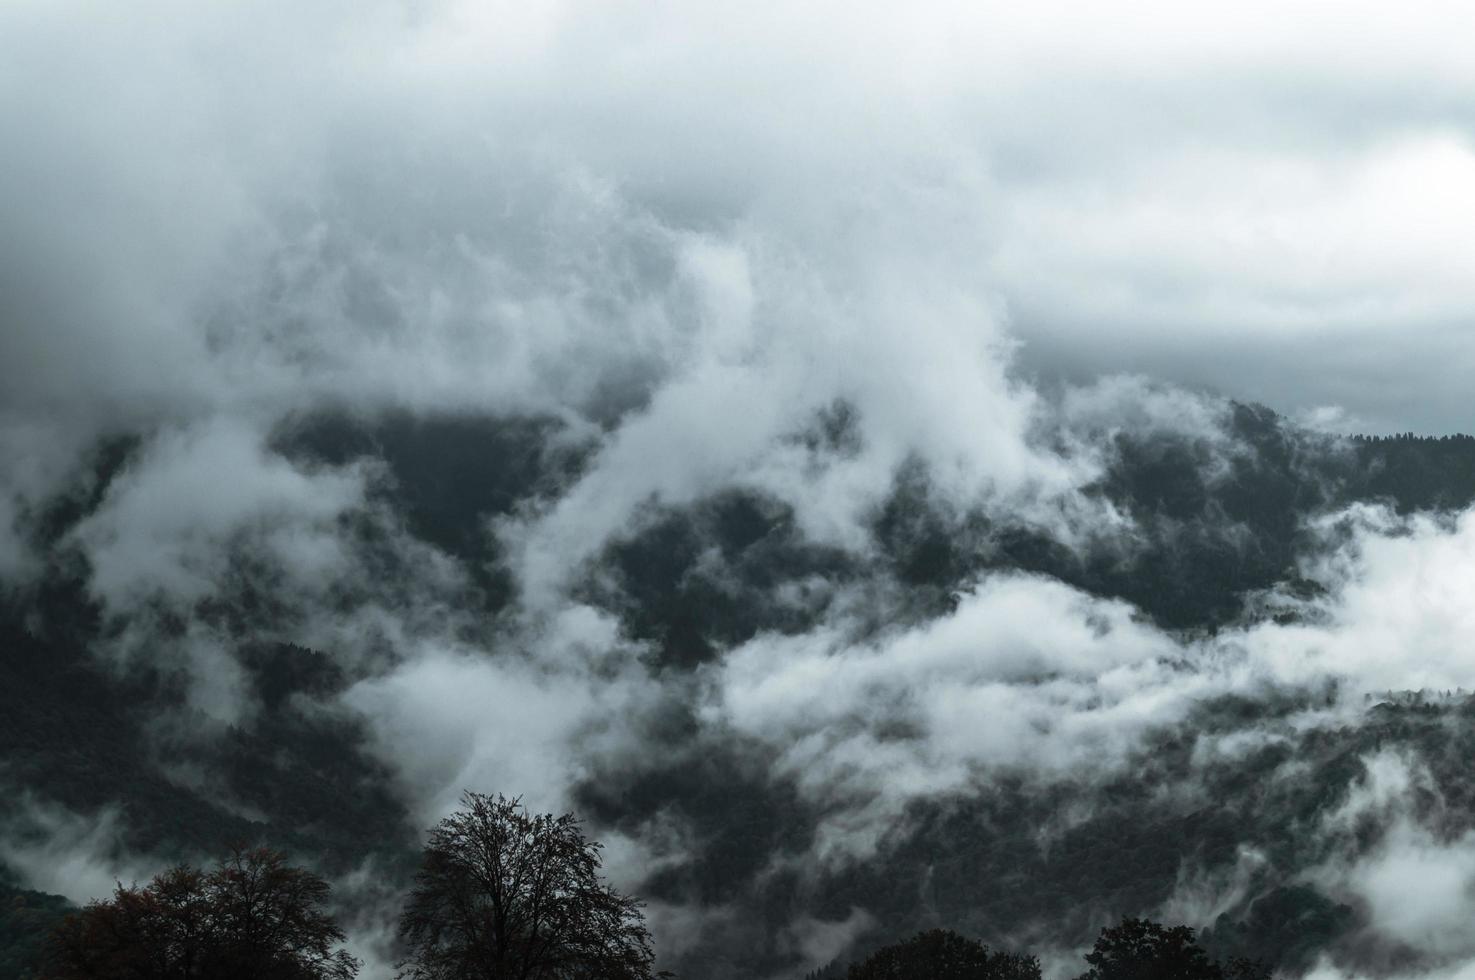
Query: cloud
{"points": [[1030, 675], [1027, 675], [1227, 265], [1395, 618], [432, 189], [735, 415], [171, 521], [821, 943], [790, 254], [79, 856], [1417, 879], [456, 719]]}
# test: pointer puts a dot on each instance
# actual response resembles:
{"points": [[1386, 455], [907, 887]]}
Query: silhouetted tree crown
{"points": [[940, 954], [252, 918], [1244, 968], [503, 893], [1139, 949]]}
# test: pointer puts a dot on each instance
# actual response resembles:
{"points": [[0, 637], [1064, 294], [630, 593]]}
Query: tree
{"points": [[1244, 968], [26, 920], [939, 954], [1139, 949], [504, 894], [252, 918]]}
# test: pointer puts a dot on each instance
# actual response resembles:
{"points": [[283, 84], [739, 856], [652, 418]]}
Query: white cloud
{"points": [[63, 853], [1397, 616], [457, 719], [1416, 881], [1028, 675], [170, 524]]}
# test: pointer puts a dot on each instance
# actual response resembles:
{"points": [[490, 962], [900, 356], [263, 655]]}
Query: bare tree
{"points": [[503, 894]]}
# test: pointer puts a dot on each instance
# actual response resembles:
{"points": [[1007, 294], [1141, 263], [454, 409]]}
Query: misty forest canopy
{"points": [[1243, 804]]}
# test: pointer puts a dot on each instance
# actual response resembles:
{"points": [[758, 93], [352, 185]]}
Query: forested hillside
{"points": [[26, 920], [1237, 799]]}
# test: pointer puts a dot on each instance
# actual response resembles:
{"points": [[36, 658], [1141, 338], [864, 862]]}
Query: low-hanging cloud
{"points": [[797, 257]]}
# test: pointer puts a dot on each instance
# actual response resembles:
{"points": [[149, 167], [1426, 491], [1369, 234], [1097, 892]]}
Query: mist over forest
{"points": [[881, 471]]}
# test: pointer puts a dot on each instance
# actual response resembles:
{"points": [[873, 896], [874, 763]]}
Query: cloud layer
{"points": [[869, 281]]}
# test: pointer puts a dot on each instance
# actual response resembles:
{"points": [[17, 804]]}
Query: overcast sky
{"points": [[1275, 201]]}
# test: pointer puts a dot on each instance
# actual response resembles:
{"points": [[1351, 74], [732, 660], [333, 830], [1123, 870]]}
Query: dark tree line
{"points": [[254, 917], [1139, 949], [939, 954], [1134, 949], [501, 894]]}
